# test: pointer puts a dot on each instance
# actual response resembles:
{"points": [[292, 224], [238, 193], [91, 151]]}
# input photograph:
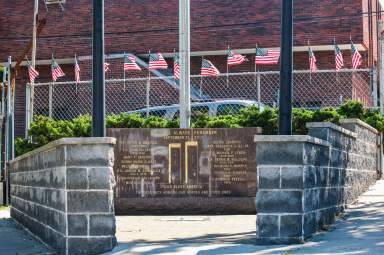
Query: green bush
{"points": [[267, 119], [44, 130], [351, 109], [300, 117], [326, 115], [222, 121]]}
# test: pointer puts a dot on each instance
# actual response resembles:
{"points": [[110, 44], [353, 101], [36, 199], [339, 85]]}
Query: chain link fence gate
{"points": [[325, 88]]}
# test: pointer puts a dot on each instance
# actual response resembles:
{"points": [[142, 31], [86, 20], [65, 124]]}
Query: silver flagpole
{"points": [[148, 88], [201, 76], [124, 71], [227, 68]]}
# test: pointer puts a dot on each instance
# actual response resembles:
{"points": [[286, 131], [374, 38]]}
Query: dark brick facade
{"points": [[139, 25]]}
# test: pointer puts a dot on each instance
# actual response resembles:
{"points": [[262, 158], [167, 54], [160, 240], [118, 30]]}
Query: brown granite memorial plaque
{"points": [[184, 171]]}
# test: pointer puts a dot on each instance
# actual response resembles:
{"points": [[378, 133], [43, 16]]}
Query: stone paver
{"points": [[360, 231], [16, 241]]}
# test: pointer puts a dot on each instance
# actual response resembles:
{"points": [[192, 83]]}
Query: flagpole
{"points": [[148, 83], [201, 76], [174, 60], [76, 63], [310, 69], [336, 71], [124, 70], [257, 80], [227, 68]]}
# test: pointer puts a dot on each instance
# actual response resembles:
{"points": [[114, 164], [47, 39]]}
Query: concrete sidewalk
{"points": [[360, 231], [14, 240]]}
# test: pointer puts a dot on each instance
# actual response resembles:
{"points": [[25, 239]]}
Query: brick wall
{"points": [[137, 26]]}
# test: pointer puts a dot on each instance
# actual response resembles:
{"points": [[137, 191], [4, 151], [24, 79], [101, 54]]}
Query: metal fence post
{"points": [[374, 86], [50, 98], [184, 46], [258, 91], [27, 109]]}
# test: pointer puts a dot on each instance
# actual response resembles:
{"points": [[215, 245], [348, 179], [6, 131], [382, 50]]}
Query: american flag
{"points": [[32, 72], [234, 58], [106, 67], [77, 71], [176, 68], [267, 56], [130, 64], [356, 57], [57, 72], [312, 60], [208, 69], [157, 61], [339, 61]]}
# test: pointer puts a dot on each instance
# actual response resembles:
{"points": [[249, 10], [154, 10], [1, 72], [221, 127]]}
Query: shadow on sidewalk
{"points": [[14, 240], [359, 231]]}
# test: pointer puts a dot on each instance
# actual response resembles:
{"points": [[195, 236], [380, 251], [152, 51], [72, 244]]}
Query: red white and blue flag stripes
{"points": [[32, 72], [130, 63], [235, 59], [208, 69], [312, 60], [176, 68], [157, 61], [339, 61], [267, 56], [56, 70], [357, 60], [77, 71]]}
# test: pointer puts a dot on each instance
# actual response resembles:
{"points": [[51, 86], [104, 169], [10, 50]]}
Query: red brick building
{"points": [[138, 26]]}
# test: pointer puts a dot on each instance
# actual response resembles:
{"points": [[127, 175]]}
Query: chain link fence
{"points": [[227, 92]]}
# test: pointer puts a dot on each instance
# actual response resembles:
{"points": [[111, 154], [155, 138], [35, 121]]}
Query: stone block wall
{"points": [[305, 181], [63, 194]]}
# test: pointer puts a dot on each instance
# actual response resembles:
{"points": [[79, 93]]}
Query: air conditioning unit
{"points": [[54, 2]]}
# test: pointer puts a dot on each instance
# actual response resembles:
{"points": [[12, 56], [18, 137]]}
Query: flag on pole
{"points": [[157, 61], [339, 61], [176, 68], [234, 58], [208, 69], [312, 60], [130, 64], [356, 57], [106, 67], [267, 56], [57, 72], [32, 72], [77, 71]]}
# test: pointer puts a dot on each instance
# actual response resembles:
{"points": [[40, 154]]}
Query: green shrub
{"points": [[44, 130], [23, 146], [326, 115], [351, 109], [300, 117], [82, 126], [252, 117], [375, 119], [125, 120]]}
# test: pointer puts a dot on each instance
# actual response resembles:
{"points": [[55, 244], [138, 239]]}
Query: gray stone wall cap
{"points": [[360, 123], [68, 141], [331, 126], [290, 138]]}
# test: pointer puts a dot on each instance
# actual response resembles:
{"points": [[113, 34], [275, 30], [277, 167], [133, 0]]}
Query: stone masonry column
{"points": [[286, 173]]}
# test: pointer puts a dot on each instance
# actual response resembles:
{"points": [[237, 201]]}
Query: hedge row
{"points": [[44, 130]]}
